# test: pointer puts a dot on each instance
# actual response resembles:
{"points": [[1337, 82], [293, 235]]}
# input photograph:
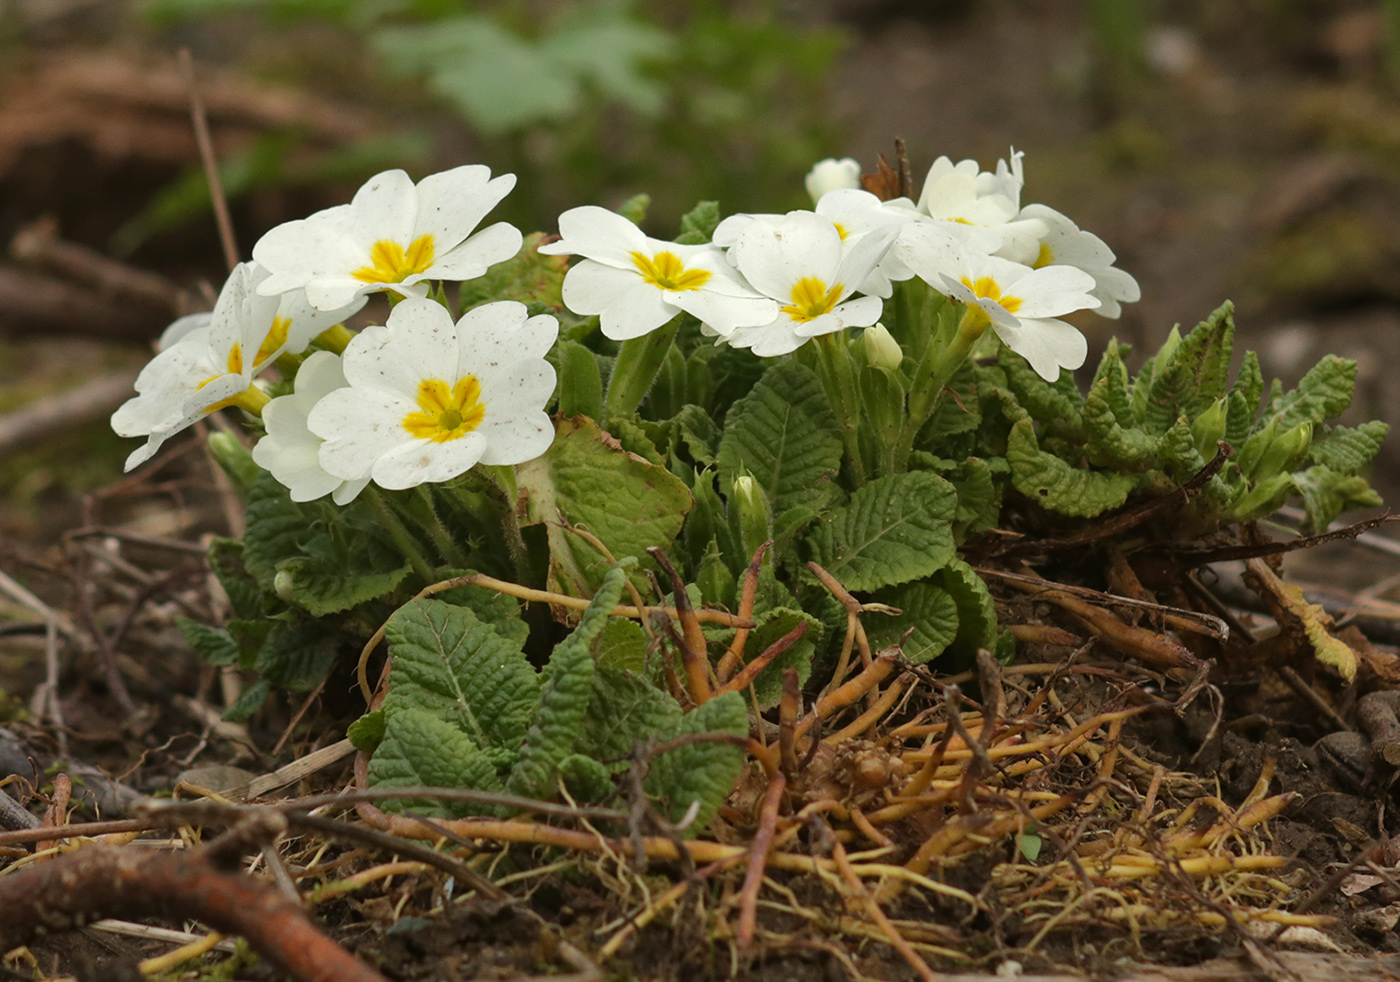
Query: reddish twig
{"points": [[99, 882], [734, 657], [750, 671], [693, 653], [758, 860]]}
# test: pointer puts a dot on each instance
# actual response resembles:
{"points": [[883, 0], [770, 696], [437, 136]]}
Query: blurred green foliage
{"points": [[588, 102]]}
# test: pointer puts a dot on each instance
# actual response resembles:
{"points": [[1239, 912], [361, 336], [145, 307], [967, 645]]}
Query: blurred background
{"points": [[1248, 151]]}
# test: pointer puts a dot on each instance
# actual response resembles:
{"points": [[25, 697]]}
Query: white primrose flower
{"points": [[855, 214], [830, 174], [214, 357], [635, 283], [801, 262], [428, 399], [985, 205], [394, 235], [1065, 243], [1021, 304], [289, 450]]}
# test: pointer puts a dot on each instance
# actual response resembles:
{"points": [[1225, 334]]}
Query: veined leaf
{"points": [[586, 479], [894, 529], [623, 709], [1327, 493], [929, 610], [772, 625], [1347, 449], [785, 436], [1323, 393], [557, 727], [705, 771], [1059, 486], [419, 749]]}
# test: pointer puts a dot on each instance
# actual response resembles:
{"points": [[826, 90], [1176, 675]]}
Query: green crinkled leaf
{"points": [[244, 595], [557, 726], [586, 479], [698, 433], [894, 529], [783, 434], [958, 412], [447, 662], [772, 625], [297, 655], [1327, 493], [1177, 454], [977, 613], [214, 644], [1057, 485], [586, 780], [249, 702], [622, 709], [580, 381], [1345, 449], [1056, 405], [979, 495], [420, 749], [698, 224], [1243, 403], [1322, 394], [498, 611], [277, 528], [367, 732], [1195, 375], [1108, 442], [929, 610], [340, 572], [1111, 382], [621, 646], [701, 771]]}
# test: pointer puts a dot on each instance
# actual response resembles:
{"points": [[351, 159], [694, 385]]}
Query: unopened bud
{"points": [[1286, 452], [1209, 429], [830, 174], [283, 586], [755, 515], [881, 349], [1253, 450]]}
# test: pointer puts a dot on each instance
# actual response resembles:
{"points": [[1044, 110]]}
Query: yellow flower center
{"points": [[235, 367], [391, 264], [1045, 258], [446, 414], [666, 270], [840, 230], [987, 289], [276, 337], [811, 299]]}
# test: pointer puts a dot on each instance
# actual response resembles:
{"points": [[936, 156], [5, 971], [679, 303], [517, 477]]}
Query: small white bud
{"points": [[881, 349], [830, 174]]}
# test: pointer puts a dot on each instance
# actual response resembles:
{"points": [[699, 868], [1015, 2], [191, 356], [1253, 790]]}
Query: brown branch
{"points": [[758, 860], [100, 881], [751, 671]]}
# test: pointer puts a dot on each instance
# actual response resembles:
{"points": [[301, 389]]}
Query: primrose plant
{"points": [[715, 427]]}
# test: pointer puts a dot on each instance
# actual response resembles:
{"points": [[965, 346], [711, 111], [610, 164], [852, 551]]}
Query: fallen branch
{"points": [[100, 881]]}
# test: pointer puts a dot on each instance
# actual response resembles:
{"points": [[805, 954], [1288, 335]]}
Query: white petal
{"points": [[773, 257], [425, 462], [590, 286], [451, 204], [491, 245], [1047, 344], [359, 426], [384, 208], [423, 339], [860, 312], [349, 491], [640, 310], [517, 438], [724, 313], [333, 292], [1051, 291], [598, 234]]}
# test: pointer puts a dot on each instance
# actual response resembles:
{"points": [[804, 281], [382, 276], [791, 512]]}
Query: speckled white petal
{"points": [[724, 313], [1050, 291], [359, 426], [385, 208], [641, 310], [425, 462], [516, 438], [493, 244], [451, 204]]}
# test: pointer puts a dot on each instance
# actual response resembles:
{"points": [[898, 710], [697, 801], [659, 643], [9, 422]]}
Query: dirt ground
{"points": [[1254, 155]]}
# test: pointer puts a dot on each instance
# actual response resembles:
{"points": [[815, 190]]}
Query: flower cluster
{"points": [[771, 282], [421, 398]]}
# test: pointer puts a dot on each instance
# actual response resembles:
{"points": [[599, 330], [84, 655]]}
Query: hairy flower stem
{"points": [[940, 363], [446, 545], [402, 537], [637, 364], [839, 380]]}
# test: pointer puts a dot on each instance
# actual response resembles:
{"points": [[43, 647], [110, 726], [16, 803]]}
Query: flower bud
{"points": [[1209, 428], [830, 174], [1253, 450], [881, 349], [1264, 498], [1286, 452], [755, 515], [283, 586]]}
